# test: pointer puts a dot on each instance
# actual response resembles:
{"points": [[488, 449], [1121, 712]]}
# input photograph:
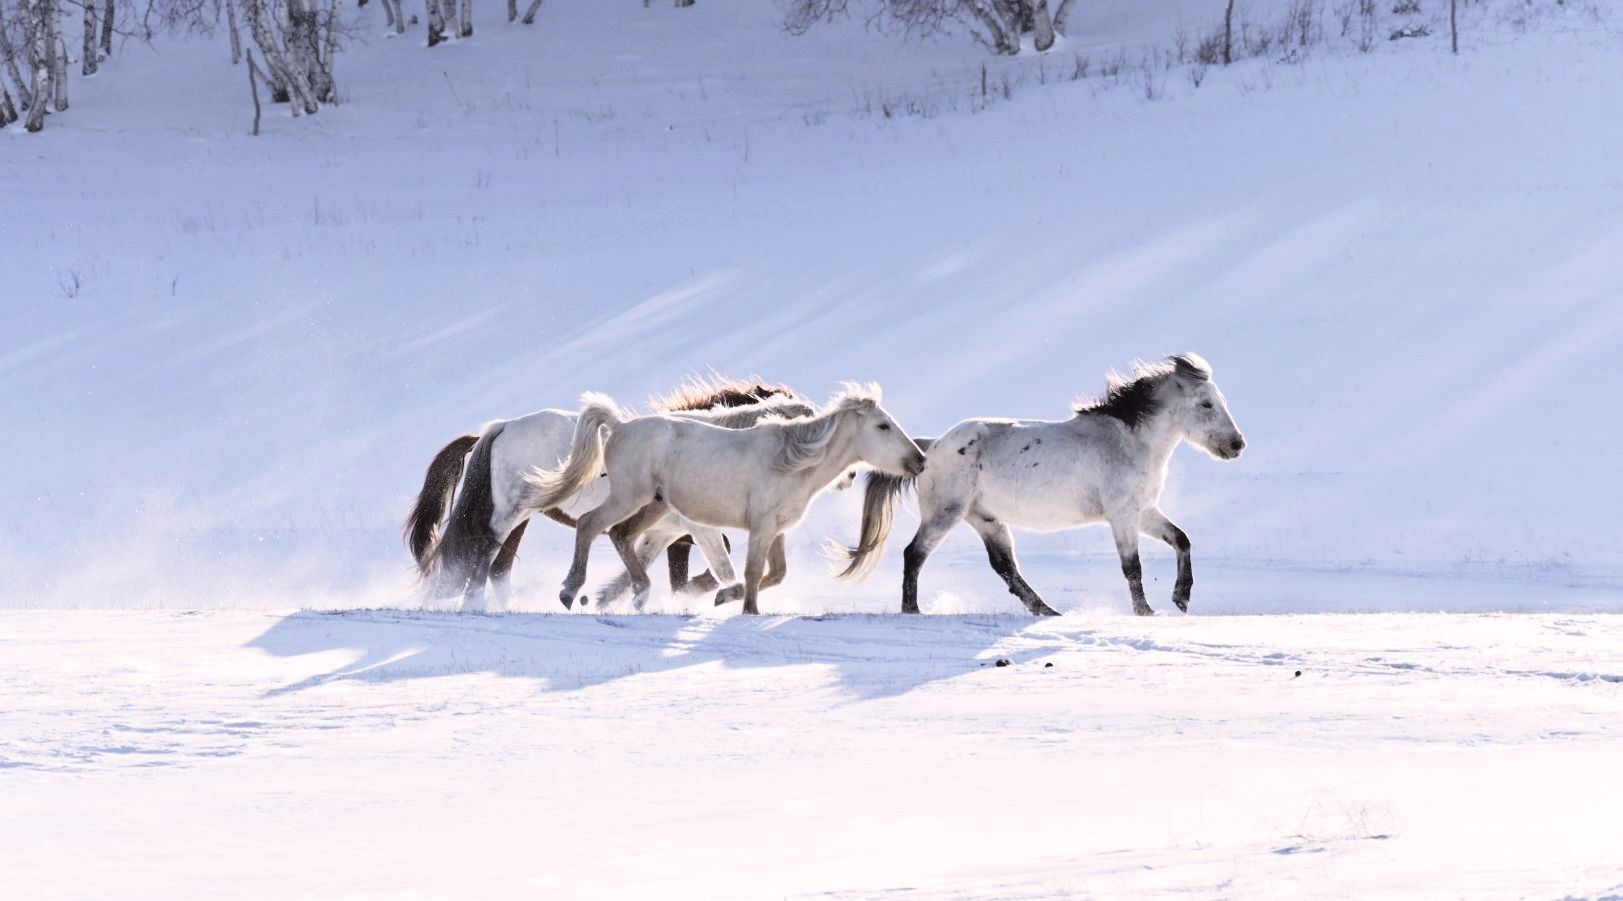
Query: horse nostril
{"points": [[1237, 445]]}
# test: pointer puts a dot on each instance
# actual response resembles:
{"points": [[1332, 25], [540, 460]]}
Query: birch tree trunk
{"points": [[236, 37], [106, 27], [8, 55], [8, 110], [285, 77], [529, 14], [59, 54], [330, 51], [1004, 34], [436, 23], [467, 19], [87, 66], [34, 17], [1042, 25], [1062, 17]]}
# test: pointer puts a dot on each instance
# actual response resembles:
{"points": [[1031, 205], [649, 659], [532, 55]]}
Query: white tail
{"points": [[551, 488]]}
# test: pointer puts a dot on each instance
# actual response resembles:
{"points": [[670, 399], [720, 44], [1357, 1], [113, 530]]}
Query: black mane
{"points": [[1137, 399]]}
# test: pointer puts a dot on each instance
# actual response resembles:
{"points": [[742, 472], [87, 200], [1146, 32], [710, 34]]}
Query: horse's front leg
{"points": [[1155, 524], [755, 558], [713, 543], [1125, 530]]}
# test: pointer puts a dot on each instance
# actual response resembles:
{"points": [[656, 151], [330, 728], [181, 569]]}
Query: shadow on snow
{"points": [[873, 656]]}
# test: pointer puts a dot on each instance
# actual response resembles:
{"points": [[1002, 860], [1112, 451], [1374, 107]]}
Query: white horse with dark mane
{"points": [[761, 478], [481, 534], [1107, 463]]}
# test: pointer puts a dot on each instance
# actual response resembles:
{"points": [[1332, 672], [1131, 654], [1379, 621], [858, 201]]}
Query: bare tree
{"points": [[1062, 16], [8, 109], [8, 56], [106, 27], [436, 23], [39, 53], [58, 53], [236, 37], [1228, 34], [286, 79], [998, 24]]}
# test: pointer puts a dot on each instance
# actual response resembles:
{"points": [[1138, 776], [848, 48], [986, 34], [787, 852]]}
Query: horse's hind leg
{"points": [[624, 536], [933, 527], [1000, 553], [617, 507], [1155, 524], [502, 568], [1125, 530], [706, 581], [777, 564], [676, 559]]}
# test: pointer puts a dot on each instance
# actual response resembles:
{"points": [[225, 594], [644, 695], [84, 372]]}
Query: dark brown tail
{"points": [[439, 485], [467, 531]]}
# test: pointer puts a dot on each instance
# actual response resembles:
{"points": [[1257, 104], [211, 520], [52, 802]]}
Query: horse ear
{"points": [[1192, 367]]}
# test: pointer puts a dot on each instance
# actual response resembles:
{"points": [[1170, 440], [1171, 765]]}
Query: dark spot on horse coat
{"points": [[1026, 448], [963, 450]]}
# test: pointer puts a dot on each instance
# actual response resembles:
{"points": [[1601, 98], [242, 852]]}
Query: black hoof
{"points": [[568, 601], [1183, 606]]}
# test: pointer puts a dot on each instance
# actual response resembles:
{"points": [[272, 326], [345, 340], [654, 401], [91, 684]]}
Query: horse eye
{"points": [[1207, 405], [884, 427]]}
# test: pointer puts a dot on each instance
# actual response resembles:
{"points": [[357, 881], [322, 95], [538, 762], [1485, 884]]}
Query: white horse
{"points": [[1108, 463], [482, 533], [761, 479], [660, 536]]}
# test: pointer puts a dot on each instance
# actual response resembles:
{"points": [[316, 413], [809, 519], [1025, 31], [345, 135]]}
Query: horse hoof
{"points": [[1143, 611], [568, 600], [584, 600], [1183, 606]]}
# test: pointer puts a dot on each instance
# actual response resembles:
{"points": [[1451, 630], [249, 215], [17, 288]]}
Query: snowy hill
{"points": [[229, 358]]}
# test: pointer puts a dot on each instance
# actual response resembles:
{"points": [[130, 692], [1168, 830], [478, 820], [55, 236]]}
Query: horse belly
{"points": [[1025, 497]]}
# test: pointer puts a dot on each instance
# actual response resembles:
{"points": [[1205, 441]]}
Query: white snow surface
{"points": [[404, 754], [227, 360]]}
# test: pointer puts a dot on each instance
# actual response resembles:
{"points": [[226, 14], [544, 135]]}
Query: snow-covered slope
{"points": [[228, 359]]}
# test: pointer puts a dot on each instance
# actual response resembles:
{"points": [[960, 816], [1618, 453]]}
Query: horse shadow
{"points": [[871, 656]]}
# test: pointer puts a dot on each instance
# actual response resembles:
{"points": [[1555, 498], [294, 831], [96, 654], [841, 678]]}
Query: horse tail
{"points": [[422, 528], [878, 515], [551, 488], [468, 526]]}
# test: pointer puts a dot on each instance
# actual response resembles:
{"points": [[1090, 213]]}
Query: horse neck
{"points": [[838, 455], [1159, 434]]}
